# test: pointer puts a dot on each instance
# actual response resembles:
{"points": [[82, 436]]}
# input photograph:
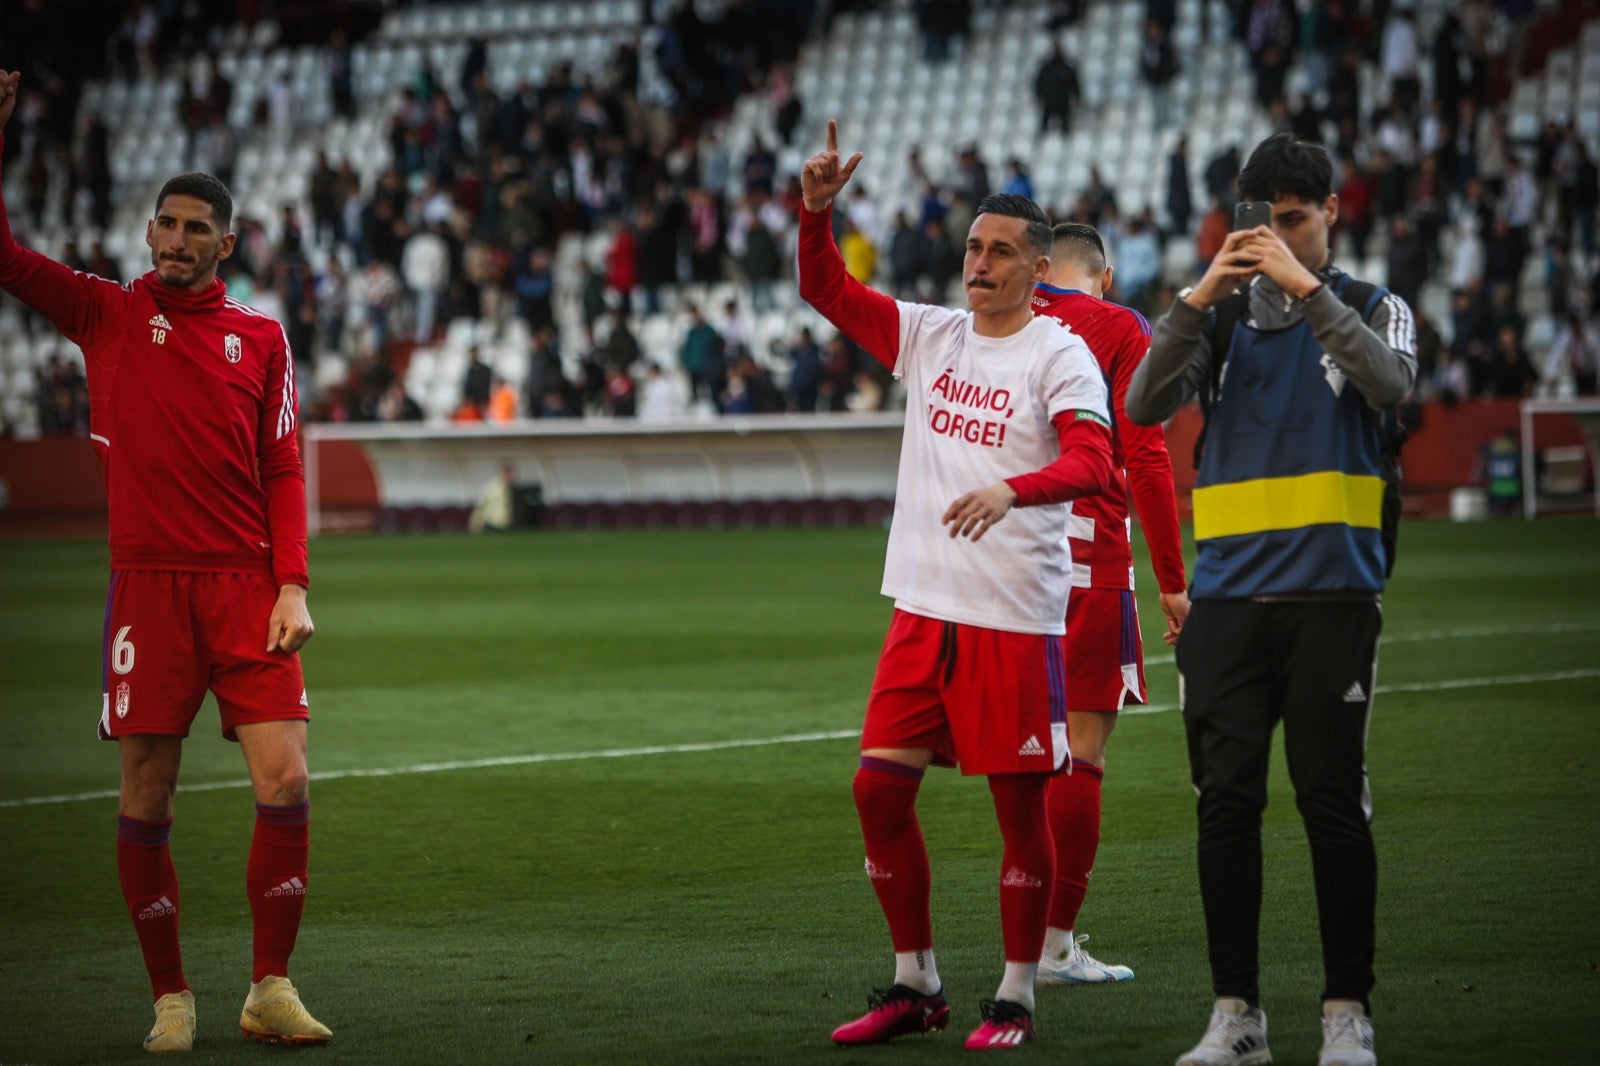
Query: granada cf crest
{"points": [[232, 347], [123, 691]]}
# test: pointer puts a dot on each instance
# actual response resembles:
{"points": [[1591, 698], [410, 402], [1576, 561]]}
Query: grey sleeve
{"points": [[1379, 357], [1177, 367]]}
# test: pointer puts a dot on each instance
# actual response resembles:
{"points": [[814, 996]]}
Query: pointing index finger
{"points": [[833, 136]]}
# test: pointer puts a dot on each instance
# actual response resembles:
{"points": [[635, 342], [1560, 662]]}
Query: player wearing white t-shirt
{"points": [[1004, 411]]}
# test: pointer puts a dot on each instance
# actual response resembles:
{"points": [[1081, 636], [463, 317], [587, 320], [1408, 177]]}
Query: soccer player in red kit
{"points": [[192, 411], [971, 672], [1105, 656]]}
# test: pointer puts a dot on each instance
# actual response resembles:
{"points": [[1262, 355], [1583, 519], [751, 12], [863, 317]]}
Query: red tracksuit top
{"points": [[192, 406], [1141, 467]]}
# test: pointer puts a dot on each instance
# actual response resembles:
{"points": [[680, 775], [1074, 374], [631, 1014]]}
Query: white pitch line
{"points": [[472, 764], [726, 745], [1456, 634]]}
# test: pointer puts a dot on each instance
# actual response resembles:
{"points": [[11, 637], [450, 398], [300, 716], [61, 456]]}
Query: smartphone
{"points": [[1252, 213]]}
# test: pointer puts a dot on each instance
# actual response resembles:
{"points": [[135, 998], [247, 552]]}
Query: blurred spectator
{"points": [[621, 349], [860, 256], [619, 394], [701, 357], [1222, 177], [425, 266], [1158, 66], [785, 105], [1179, 203], [332, 288], [622, 264], [908, 257], [535, 290], [658, 399], [394, 405], [1056, 89], [1450, 382], [805, 372], [1138, 263], [495, 507], [502, 405], [1018, 181], [478, 381], [1406, 262], [379, 290], [1508, 373], [1574, 359], [1400, 58], [1214, 230]]}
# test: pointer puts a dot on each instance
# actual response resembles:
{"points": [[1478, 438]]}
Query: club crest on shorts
{"points": [[123, 691], [233, 347]]}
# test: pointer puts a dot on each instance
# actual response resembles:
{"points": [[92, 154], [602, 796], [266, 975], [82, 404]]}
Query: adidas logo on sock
{"points": [[161, 322], [161, 908], [876, 872], [292, 887], [1355, 693], [1031, 747], [1017, 877]]}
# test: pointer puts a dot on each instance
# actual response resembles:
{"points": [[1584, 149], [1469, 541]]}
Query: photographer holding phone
{"points": [[1295, 373]]}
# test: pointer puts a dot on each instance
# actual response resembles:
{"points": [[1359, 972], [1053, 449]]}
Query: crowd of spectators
{"points": [[482, 185]]}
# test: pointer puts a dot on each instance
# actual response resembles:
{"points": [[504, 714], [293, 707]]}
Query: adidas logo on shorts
{"points": [[1355, 693], [1031, 747]]}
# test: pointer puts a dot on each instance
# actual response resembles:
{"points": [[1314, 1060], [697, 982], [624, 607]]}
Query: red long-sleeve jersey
{"points": [[1119, 337], [193, 410]]}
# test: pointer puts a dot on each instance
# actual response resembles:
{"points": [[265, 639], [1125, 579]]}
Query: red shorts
{"points": [[1105, 654], [988, 701], [172, 635]]}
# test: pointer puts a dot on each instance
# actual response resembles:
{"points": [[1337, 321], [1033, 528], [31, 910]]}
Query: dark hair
{"points": [[201, 186], [1284, 165], [1079, 244], [1013, 206]]}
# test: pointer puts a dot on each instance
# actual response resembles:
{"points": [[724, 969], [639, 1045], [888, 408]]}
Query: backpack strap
{"points": [[1218, 330]]}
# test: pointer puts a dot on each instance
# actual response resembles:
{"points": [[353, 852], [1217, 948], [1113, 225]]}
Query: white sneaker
{"points": [[1346, 1035], [1077, 967], [1237, 1036]]}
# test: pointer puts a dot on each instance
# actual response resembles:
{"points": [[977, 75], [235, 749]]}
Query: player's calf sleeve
{"points": [[275, 877], [1027, 867], [1073, 801], [150, 887], [897, 857]]}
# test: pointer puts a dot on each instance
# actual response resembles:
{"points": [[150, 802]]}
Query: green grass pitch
{"points": [[586, 798]]}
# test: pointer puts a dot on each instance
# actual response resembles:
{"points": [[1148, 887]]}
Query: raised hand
{"points": [[1236, 263], [823, 175], [9, 84]]}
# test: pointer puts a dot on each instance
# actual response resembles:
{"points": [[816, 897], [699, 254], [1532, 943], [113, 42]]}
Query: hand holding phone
{"points": [[1248, 214]]}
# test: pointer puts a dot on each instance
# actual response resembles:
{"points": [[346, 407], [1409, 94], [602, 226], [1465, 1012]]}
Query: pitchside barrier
{"points": [[791, 470]]}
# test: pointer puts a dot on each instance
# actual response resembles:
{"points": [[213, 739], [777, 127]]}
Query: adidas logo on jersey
{"points": [[161, 908], [1355, 693], [160, 322], [1031, 747], [292, 887]]}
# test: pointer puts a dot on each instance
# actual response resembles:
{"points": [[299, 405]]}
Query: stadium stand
{"points": [[865, 68]]}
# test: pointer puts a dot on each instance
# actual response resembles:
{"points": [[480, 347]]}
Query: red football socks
{"points": [[1074, 805], [275, 877], [150, 887], [1027, 866], [897, 858]]}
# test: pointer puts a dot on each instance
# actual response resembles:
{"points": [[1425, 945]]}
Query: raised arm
{"points": [[869, 317], [71, 301]]}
